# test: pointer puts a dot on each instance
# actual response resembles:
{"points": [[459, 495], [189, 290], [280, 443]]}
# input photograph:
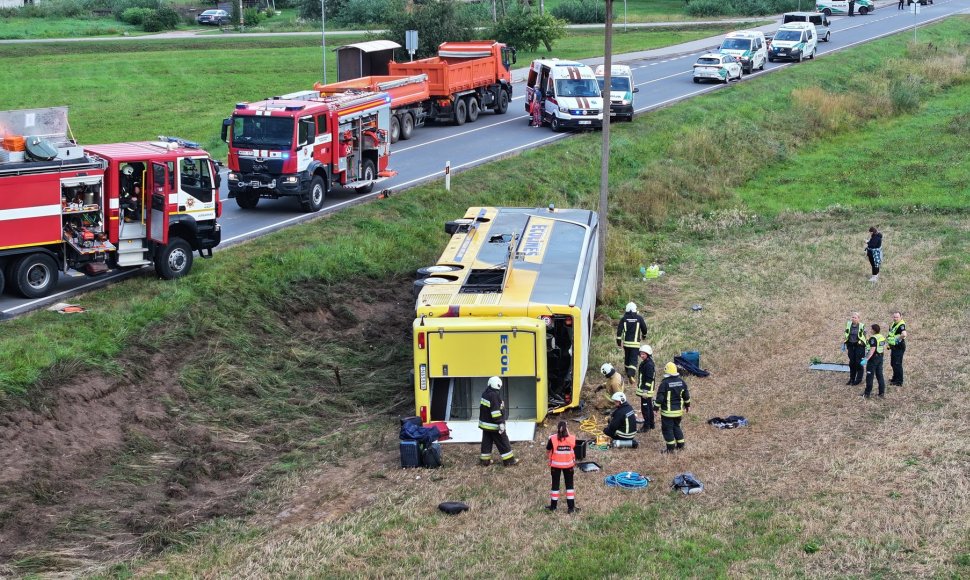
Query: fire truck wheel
{"points": [[395, 129], [503, 103], [247, 200], [174, 260], [368, 172], [34, 275], [318, 191], [472, 109], [407, 126], [461, 112]]}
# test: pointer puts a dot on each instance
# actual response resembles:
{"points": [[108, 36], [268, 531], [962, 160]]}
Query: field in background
{"points": [[194, 83], [277, 394]]}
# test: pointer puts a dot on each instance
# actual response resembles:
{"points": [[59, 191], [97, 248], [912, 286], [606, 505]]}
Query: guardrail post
{"points": [[447, 175]]}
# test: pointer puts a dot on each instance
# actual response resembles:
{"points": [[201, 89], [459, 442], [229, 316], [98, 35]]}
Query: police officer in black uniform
{"points": [[877, 346], [897, 348], [855, 346]]}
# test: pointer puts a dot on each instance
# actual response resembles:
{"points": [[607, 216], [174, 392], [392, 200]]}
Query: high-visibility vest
{"points": [[880, 343], [894, 337], [563, 453], [862, 332]]}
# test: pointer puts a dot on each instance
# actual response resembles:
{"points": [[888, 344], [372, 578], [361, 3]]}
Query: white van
{"points": [[841, 7], [749, 46], [621, 90], [794, 41], [570, 95], [821, 22]]}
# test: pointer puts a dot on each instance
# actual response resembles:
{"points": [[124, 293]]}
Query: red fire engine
{"points": [[65, 207], [300, 145]]}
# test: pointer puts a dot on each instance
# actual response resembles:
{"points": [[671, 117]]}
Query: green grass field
{"points": [[748, 199], [194, 83], [18, 27]]}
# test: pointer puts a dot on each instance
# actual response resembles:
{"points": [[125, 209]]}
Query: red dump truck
{"points": [[455, 86]]}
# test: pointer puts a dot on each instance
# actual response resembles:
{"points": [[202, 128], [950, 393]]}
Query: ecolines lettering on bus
{"points": [[534, 239], [503, 350]]}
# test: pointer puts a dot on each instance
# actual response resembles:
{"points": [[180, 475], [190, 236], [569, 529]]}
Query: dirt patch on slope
{"points": [[109, 465]]}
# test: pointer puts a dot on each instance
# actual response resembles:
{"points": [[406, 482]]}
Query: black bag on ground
{"points": [[452, 507], [431, 455]]}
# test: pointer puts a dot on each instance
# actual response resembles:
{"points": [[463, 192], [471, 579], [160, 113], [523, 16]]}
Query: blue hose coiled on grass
{"points": [[627, 480]]}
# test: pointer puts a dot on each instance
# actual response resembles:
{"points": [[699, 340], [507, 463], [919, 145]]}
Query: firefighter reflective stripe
{"points": [[496, 414], [629, 426], [880, 343], [507, 456], [562, 454], [485, 402], [648, 392], [862, 332], [488, 426]]}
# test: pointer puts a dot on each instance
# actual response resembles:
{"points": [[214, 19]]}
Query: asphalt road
{"points": [[663, 77]]}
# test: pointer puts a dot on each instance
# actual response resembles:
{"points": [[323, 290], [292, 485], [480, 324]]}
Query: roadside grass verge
{"points": [[16, 27], [192, 84], [761, 277]]}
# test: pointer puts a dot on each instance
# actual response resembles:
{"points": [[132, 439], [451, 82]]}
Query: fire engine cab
{"points": [[300, 145], [67, 208]]}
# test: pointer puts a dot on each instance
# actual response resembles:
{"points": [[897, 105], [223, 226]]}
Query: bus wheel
{"points": [[395, 129], [407, 126], [174, 260], [34, 275], [435, 270]]}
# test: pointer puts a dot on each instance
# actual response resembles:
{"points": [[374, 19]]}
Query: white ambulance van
{"points": [[570, 95], [621, 90]]}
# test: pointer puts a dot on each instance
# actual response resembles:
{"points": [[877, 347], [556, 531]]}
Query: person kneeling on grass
{"points": [[623, 421]]}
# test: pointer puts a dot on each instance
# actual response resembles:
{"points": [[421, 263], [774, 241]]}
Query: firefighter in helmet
{"points": [[623, 421], [629, 332], [492, 415]]}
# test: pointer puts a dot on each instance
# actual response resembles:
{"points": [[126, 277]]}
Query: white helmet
{"points": [[631, 307], [647, 349], [619, 397], [495, 383], [606, 369]]}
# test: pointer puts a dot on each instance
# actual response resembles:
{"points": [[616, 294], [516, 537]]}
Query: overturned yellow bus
{"points": [[512, 295]]}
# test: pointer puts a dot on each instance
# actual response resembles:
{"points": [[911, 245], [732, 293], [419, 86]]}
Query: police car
{"points": [[717, 67]]}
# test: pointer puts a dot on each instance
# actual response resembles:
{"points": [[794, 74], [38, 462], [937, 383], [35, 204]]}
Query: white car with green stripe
{"points": [[841, 7], [794, 41], [748, 46]]}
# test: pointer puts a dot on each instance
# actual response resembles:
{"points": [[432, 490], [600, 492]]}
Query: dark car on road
{"points": [[215, 17]]}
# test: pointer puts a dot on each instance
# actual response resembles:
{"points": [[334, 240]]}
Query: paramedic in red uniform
{"points": [[561, 448], [491, 420]]}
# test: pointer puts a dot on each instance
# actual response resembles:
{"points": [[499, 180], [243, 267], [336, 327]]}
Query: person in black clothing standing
{"points": [[645, 388], [673, 400], [854, 341], [874, 252], [491, 420], [631, 329], [851, 7], [897, 348], [877, 346], [900, 5]]}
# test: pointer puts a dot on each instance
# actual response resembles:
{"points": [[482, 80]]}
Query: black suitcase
{"points": [[431, 455]]}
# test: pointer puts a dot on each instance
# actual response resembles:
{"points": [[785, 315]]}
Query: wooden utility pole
{"points": [[605, 158]]}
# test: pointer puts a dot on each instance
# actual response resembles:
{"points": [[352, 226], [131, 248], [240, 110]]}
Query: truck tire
{"points": [[174, 260], [473, 109], [318, 192], [369, 172], [395, 129], [503, 102], [247, 200], [407, 126], [34, 275], [461, 112]]}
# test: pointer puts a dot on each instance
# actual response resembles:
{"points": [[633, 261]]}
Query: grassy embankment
{"points": [[193, 83], [819, 483]]}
